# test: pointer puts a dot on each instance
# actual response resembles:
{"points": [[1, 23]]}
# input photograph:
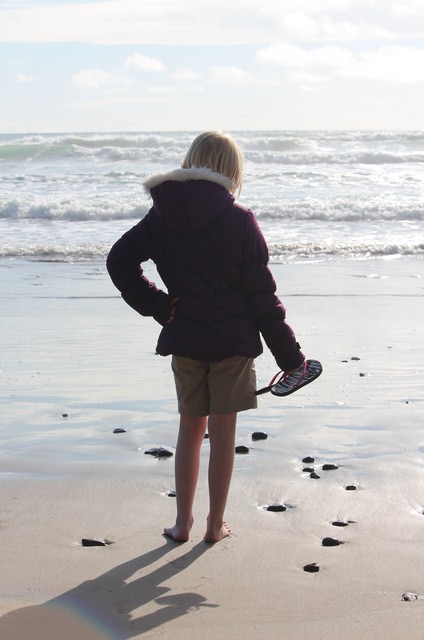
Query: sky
{"points": [[172, 65]]}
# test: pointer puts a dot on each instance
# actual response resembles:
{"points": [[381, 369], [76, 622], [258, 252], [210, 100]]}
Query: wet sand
{"points": [[77, 363]]}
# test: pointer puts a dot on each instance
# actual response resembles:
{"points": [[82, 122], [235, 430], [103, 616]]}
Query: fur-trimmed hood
{"points": [[183, 175], [189, 199]]}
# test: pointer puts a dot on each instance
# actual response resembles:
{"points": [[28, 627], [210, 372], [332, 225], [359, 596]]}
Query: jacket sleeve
{"points": [[259, 290], [124, 266]]}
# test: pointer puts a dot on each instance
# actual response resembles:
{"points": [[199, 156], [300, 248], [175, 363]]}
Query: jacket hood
{"points": [[189, 199]]}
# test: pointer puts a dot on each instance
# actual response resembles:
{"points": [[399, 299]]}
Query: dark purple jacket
{"points": [[210, 253]]}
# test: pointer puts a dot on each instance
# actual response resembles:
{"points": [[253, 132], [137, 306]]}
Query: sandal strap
{"points": [[285, 376]]}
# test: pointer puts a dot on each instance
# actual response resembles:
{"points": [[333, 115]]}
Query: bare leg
{"points": [[222, 430], [187, 461]]}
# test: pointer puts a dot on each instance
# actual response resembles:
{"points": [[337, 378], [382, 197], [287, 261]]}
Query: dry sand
{"points": [[77, 363]]}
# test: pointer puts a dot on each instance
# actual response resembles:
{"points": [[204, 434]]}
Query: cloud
{"points": [[161, 89], [181, 23], [301, 24], [309, 69], [230, 75], [97, 79], [389, 63], [143, 63], [186, 74], [23, 78], [98, 104], [306, 26], [408, 8]]}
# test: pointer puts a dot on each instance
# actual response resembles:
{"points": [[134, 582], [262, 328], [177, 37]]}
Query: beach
{"points": [[77, 364]]}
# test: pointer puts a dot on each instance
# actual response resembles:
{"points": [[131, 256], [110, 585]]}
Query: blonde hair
{"points": [[217, 151]]}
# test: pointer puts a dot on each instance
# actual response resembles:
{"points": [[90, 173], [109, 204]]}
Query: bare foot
{"points": [[216, 534], [179, 534]]}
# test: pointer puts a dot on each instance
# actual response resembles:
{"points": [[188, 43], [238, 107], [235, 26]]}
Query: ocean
{"points": [[316, 194]]}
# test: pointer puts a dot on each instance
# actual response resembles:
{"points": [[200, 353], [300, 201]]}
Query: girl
{"points": [[220, 297]]}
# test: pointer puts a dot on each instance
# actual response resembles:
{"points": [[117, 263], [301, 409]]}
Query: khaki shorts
{"points": [[205, 388]]}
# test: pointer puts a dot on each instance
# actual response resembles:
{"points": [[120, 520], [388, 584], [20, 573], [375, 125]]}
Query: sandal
{"points": [[288, 383]]}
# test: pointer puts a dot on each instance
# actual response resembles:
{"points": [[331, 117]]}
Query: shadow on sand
{"points": [[102, 608]]}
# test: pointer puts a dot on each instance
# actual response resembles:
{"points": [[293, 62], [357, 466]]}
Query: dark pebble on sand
{"points": [[242, 449], [171, 494], [276, 508], [308, 460], [65, 415], [311, 568], [409, 597], [350, 487], [314, 476], [87, 542], [119, 430], [206, 436], [340, 523], [329, 467], [159, 452], [363, 375], [259, 435], [163, 453], [355, 358], [330, 542], [308, 470]]}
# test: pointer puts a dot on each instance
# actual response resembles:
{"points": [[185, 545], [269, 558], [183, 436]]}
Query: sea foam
{"points": [[340, 194]]}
